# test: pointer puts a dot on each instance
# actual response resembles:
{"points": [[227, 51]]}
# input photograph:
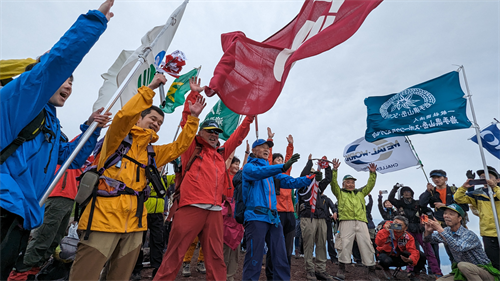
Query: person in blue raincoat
{"points": [[28, 172], [262, 223]]}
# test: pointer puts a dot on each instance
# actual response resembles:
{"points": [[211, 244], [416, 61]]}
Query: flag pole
{"points": [[481, 151], [416, 156], [256, 127], [84, 138]]}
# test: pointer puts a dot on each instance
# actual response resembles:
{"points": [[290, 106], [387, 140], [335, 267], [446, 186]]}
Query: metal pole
{"points": [[108, 107], [485, 167], [256, 127], [84, 138], [416, 156]]}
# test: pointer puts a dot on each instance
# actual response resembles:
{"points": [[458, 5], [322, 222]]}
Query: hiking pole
{"points": [[418, 158], [84, 138], [481, 151]]}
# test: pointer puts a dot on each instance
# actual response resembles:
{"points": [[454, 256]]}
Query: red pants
{"points": [[188, 223]]}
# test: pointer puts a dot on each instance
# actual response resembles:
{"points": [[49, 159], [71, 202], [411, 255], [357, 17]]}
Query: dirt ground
{"points": [[298, 271]]}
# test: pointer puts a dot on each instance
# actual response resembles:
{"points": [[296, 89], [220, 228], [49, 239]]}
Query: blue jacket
{"points": [[258, 188], [28, 172]]}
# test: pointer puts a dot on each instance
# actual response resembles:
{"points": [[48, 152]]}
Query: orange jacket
{"points": [[117, 214], [403, 242], [284, 201]]}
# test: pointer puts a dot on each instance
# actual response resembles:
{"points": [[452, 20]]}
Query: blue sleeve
{"points": [[254, 173], [66, 148], [289, 182], [24, 97]]}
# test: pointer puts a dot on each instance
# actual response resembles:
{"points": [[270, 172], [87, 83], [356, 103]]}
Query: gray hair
{"points": [[403, 219]]}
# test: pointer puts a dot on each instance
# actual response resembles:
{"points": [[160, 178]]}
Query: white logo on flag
{"points": [[390, 154], [406, 103]]}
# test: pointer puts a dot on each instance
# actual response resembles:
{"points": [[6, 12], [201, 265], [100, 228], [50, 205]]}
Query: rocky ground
{"points": [[298, 271]]}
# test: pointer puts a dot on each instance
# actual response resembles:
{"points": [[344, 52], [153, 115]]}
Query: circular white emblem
{"points": [[406, 103]]}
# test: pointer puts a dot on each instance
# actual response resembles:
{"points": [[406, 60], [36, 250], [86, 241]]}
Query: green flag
{"points": [[175, 96], [227, 120]]}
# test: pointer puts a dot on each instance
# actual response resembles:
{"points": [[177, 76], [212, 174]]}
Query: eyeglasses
{"points": [[212, 131]]}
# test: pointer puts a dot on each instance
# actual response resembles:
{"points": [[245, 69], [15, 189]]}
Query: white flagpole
{"points": [[416, 156], [93, 126], [485, 167]]}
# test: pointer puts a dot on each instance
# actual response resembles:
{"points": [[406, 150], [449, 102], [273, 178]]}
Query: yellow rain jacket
{"points": [[11, 68], [483, 204], [117, 214]]}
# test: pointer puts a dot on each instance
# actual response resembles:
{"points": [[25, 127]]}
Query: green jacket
{"points": [[155, 204], [352, 204]]}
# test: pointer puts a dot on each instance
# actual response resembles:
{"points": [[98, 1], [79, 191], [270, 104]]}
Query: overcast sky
{"points": [[400, 44]]}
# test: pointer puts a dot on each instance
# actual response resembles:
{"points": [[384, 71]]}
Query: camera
{"points": [[384, 191], [395, 226], [477, 182]]}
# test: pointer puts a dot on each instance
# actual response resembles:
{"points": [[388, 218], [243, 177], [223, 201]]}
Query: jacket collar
{"points": [[50, 109], [141, 132], [201, 141], [259, 161]]}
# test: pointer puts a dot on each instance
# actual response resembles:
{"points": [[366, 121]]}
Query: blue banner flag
{"points": [[490, 138], [433, 106]]}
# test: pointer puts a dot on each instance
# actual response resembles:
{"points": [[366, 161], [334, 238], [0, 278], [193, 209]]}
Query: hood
{"points": [[406, 188]]}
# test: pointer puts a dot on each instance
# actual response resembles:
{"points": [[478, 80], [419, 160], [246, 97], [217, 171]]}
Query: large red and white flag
{"points": [[250, 74]]}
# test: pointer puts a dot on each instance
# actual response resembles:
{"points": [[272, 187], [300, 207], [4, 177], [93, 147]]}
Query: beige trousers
{"points": [[471, 271], [314, 232], [231, 260], [349, 231], [122, 250]]}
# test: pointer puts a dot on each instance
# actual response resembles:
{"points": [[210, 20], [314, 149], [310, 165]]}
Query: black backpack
{"points": [[239, 210]]}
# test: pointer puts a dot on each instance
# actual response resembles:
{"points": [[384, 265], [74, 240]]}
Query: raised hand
{"points": [[335, 164], [157, 80], [195, 85], [248, 146], [289, 139], [270, 133], [310, 157], [197, 107], [430, 187], [105, 9], [372, 168], [102, 120], [290, 162]]}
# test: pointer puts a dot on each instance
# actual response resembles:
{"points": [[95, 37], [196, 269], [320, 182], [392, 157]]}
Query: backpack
{"points": [[240, 207], [29, 132]]}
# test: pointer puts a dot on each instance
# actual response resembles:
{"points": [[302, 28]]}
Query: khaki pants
{"points": [[314, 232], [122, 250], [471, 271], [231, 260], [350, 230]]}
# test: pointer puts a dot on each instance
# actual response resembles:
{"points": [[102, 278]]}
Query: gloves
{"points": [[470, 174], [289, 163]]}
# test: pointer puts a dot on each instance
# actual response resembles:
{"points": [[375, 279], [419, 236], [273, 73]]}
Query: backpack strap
{"points": [[28, 133]]}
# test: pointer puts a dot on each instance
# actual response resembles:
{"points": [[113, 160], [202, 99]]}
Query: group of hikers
{"points": [[255, 207]]}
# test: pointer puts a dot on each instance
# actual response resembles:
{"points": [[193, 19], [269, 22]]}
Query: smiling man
{"points": [[262, 222], [115, 218], [27, 167], [204, 179]]}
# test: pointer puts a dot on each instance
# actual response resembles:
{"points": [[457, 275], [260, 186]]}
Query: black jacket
{"points": [[323, 207], [369, 217], [304, 206], [411, 211], [387, 214], [428, 198]]}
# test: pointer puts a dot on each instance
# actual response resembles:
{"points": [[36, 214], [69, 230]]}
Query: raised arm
{"points": [[334, 184], [270, 136], [392, 197], [255, 173], [371, 179], [289, 152], [369, 206], [327, 180], [380, 206], [237, 137], [247, 153]]}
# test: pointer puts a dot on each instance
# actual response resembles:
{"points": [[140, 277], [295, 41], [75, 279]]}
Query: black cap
{"points": [[491, 170], [211, 124]]}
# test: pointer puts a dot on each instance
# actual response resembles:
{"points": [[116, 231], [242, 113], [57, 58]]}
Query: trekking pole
{"points": [[481, 151], [418, 158], [84, 138]]}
